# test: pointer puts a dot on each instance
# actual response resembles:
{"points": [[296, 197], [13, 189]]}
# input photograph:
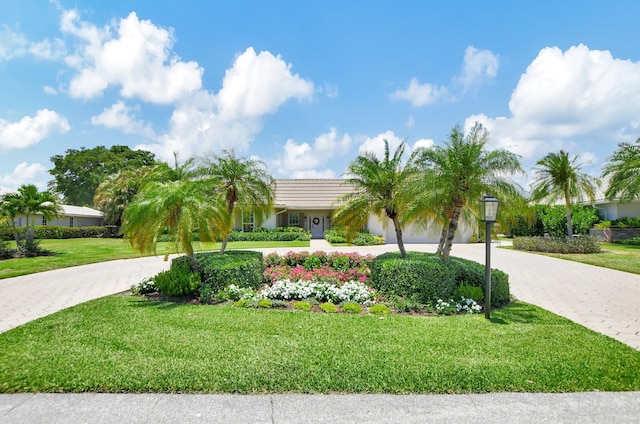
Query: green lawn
{"points": [[614, 256], [73, 252], [129, 344]]}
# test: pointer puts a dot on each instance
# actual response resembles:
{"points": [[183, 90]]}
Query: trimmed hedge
{"points": [[240, 267], [59, 232], [363, 238], [269, 236], [424, 278], [581, 244]]}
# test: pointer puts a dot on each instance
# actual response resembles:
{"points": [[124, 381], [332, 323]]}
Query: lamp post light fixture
{"points": [[488, 213]]}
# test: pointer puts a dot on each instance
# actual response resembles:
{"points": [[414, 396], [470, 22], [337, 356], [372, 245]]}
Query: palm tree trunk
{"points": [[569, 224], [567, 205], [226, 239], [451, 231], [398, 228], [443, 239]]}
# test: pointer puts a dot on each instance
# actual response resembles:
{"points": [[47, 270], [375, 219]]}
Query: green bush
{"points": [[43, 232], [265, 303], [634, 241], [626, 223], [422, 278], [351, 308], [363, 238], [178, 281], [302, 305], [242, 268], [379, 309], [266, 234], [582, 244], [554, 219], [329, 307], [207, 296], [469, 292]]}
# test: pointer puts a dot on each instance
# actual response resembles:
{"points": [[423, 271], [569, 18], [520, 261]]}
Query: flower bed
{"points": [[334, 267]]}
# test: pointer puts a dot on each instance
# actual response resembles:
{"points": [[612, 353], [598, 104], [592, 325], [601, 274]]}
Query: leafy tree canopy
{"points": [[78, 173]]}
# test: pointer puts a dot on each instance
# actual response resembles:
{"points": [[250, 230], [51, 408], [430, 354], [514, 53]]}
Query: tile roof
{"points": [[312, 194]]}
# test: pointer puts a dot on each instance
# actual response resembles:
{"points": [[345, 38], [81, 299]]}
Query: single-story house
{"points": [[71, 216], [613, 209], [308, 203]]}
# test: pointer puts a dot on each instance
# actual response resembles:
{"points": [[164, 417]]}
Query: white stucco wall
{"points": [[415, 234], [615, 210]]}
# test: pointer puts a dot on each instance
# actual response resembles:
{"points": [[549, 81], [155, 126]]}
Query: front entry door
{"points": [[316, 226]]}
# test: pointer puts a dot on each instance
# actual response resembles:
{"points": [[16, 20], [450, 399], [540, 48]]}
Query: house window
{"points": [[294, 220], [70, 221], [44, 221], [247, 221]]}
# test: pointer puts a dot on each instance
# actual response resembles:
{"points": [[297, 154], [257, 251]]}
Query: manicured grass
{"points": [[614, 256], [129, 344], [73, 252]]}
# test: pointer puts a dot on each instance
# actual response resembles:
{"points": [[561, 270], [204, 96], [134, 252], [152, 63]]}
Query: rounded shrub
{"points": [[302, 305], [421, 277], [329, 307], [351, 308], [240, 267], [379, 309]]}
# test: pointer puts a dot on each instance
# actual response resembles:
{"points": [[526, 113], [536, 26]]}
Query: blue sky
{"points": [[306, 86]]}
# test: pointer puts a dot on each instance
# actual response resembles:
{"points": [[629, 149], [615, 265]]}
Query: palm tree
{"points": [[183, 206], [558, 177], [30, 202], [459, 173], [245, 182], [118, 190], [623, 168], [380, 187]]}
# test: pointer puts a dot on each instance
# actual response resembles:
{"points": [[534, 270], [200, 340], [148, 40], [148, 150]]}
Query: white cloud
{"points": [[331, 90], [302, 159], [49, 90], [566, 97], [420, 94], [479, 66], [121, 117], [31, 130], [423, 142], [14, 45], [24, 173], [375, 145], [134, 55], [258, 84]]}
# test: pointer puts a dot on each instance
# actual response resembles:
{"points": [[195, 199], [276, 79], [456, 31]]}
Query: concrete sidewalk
{"points": [[507, 408]]}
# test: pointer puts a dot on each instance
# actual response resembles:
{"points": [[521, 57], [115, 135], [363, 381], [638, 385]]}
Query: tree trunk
{"points": [[569, 224], [226, 239], [453, 226], [398, 228], [443, 239]]}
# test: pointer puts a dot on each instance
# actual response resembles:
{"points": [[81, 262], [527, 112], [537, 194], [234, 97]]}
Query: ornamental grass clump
{"points": [[328, 307], [351, 308]]}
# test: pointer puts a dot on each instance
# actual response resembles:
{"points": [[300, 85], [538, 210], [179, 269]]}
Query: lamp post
{"points": [[488, 213]]}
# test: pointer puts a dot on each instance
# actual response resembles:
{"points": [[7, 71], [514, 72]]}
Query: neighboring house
{"points": [[613, 209], [72, 216], [308, 203]]}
